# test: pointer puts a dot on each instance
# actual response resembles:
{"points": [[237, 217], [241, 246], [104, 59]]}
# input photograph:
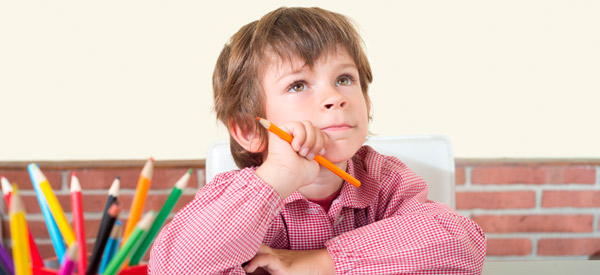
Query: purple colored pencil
{"points": [[6, 260]]}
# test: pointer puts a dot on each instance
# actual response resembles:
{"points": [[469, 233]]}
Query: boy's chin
{"points": [[341, 152]]}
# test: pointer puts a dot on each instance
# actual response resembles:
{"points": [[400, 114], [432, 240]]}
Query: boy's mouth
{"points": [[336, 127]]}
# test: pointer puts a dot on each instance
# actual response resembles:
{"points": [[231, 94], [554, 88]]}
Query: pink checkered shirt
{"points": [[387, 226]]}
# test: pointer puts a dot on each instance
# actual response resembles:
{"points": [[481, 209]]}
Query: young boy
{"points": [[304, 70]]}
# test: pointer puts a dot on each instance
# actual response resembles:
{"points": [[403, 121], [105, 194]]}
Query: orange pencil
{"points": [[139, 198], [78, 222], [320, 159]]}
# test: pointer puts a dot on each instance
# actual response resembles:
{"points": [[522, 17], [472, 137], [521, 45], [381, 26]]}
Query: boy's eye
{"points": [[344, 81], [297, 87]]}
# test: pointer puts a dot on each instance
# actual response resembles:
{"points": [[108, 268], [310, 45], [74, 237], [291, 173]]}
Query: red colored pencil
{"points": [[78, 221]]}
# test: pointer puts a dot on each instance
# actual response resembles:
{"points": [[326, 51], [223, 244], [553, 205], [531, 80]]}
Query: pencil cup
{"points": [[51, 267]]}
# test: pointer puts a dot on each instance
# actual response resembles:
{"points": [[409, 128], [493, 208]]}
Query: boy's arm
{"points": [[222, 227], [413, 235]]}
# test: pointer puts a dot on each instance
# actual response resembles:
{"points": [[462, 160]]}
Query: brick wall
{"points": [[528, 209], [532, 209]]}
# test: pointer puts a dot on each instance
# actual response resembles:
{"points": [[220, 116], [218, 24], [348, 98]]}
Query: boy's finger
{"points": [[263, 260], [263, 249], [296, 129], [309, 141], [318, 145]]}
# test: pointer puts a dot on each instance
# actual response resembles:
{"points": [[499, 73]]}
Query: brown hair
{"points": [[305, 32]]}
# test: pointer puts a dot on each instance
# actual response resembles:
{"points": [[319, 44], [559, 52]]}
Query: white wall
{"points": [[132, 79]]}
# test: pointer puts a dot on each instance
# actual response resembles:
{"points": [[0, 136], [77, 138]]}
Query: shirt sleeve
{"points": [[202, 240], [412, 235]]}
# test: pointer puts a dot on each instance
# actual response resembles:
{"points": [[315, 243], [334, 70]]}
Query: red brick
{"points": [[162, 178], [571, 198], [534, 223], [460, 176], [560, 247], [46, 251], [495, 200], [103, 178], [508, 247], [23, 181], [533, 174]]}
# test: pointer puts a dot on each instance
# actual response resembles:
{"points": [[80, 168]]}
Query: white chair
{"points": [[430, 156]]}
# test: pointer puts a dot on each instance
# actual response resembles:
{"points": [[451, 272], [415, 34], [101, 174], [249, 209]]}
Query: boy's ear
{"points": [[247, 138]]}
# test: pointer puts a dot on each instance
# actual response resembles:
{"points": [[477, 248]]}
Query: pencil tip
{"points": [[183, 181], [147, 220], [75, 186], [73, 251], [114, 187], [6, 187]]}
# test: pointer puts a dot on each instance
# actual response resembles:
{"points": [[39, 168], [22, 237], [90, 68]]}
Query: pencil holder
{"points": [[51, 268]]}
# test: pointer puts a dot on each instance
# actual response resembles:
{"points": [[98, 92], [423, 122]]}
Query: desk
{"points": [[574, 267]]}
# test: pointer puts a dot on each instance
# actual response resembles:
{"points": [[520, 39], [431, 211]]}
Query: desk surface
{"points": [[574, 267]]}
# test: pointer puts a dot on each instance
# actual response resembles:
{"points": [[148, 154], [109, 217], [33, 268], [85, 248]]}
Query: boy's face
{"points": [[329, 95]]}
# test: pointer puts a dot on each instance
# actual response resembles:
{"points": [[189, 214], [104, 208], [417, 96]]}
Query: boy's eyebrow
{"points": [[346, 65], [285, 74], [301, 69]]}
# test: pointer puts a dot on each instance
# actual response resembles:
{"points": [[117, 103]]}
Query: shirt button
{"points": [[338, 220]]}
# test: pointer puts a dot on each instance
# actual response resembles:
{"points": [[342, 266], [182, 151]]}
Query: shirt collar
{"points": [[351, 196]]}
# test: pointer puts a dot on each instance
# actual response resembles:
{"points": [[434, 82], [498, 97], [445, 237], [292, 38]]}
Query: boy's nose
{"points": [[334, 100]]}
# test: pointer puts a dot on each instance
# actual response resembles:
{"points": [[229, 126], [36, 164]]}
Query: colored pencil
{"points": [[6, 260], [54, 205], [68, 264], [55, 236], [111, 246], [139, 198], [115, 265], [18, 227], [139, 252], [320, 159], [117, 243], [36, 258], [113, 195], [106, 226], [78, 221], [6, 190]]}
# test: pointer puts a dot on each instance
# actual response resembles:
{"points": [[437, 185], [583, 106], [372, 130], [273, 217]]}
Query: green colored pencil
{"points": [[141, 249], [115, 265]]}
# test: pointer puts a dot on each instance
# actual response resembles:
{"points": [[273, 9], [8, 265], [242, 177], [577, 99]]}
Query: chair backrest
{"points": [[430, 156]]}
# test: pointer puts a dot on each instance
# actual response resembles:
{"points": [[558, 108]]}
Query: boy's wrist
{"points": [[276, 178]]}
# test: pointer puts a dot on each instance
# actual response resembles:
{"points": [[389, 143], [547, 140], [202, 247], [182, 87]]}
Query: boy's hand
{"points": [[290, 166], [282, 261]]}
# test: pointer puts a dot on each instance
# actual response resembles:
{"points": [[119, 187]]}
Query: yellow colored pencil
{"points": [[139, 198], [320, 159], [54, 205], [18, 232]]}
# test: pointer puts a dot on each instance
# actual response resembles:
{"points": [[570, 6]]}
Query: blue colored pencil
{"points": [[55, 235], [111, 246]]}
